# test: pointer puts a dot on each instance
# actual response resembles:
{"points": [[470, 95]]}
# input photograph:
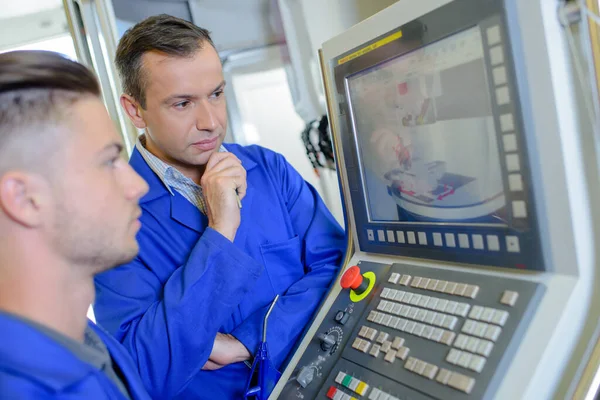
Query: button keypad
{"points": [[466, 317]]}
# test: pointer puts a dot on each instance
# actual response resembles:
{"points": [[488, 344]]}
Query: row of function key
{"points": [[435, 285]]}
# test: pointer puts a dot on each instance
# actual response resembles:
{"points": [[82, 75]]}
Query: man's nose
{"points": [[135, 185], [205, 116]]}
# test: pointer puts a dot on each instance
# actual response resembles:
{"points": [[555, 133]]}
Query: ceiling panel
{"points": [[12, 8]]}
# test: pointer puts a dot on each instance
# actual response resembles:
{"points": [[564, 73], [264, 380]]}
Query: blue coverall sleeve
{"points": [[323, 243], [161, 322]]}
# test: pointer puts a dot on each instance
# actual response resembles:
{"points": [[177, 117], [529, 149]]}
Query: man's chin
{"points": [[131, 253], [124, 257], [202, 158], [196, 161]]}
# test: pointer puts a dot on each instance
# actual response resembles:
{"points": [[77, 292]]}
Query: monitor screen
{"points": [[426, 138]]}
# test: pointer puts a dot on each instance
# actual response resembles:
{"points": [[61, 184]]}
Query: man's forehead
{"points": [[159, 67], [155, 59]]}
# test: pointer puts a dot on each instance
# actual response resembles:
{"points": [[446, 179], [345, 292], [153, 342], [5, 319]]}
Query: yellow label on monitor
{"points": [[371, 47]]}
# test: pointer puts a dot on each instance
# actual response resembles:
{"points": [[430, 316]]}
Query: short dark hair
{"points": [[36, 90], [164, 33], [25, 70]]}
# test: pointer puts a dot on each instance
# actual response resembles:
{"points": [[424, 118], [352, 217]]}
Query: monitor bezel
{"points": [[448, 20]]}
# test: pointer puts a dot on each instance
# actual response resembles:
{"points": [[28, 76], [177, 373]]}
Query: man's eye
{"points": [[181, 104], [113, 161], [218, 93]]}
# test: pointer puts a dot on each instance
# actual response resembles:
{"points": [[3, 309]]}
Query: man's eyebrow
{"points": [[221, 86], [179, 96], [191, 96]]}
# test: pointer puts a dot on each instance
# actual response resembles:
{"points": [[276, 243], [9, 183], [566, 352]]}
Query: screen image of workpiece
{"points": [[426, 138]]}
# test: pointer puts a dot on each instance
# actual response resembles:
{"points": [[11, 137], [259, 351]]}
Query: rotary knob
{"points": [[341, 317], [327, 341]]}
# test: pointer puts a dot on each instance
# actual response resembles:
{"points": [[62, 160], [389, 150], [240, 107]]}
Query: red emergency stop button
{"points": [[352, 278]]}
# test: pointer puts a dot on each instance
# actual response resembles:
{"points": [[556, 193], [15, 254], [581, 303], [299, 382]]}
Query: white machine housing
{"points": [[555, 355]]}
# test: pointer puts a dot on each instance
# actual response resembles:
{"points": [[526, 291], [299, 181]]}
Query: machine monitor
{"points": [[426, 138], [435, 133]]}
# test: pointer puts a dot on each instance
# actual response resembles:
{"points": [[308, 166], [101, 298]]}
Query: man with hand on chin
{"points": [[190, 307]]}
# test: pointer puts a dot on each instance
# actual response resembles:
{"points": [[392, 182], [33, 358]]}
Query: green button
{"points": [[346, 381]]}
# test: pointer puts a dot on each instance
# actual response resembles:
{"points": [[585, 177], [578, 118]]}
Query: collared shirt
{"points": [[92, 351], [172, 178]]}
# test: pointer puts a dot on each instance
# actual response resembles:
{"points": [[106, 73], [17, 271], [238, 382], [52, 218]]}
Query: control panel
{"points": [[403, 332]]}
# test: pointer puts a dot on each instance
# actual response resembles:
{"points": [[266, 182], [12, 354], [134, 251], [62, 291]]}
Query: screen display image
{"points": [[426, 138]]}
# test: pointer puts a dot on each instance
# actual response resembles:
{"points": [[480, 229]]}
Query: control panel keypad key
{"points": [[397, 343], [390, 356], [375, 350], [402, 353]]}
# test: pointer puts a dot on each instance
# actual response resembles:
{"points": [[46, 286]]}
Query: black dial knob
{"points": [[341, 317], [327, 341]]}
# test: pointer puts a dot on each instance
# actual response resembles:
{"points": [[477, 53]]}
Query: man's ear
{"points": [[133, 111], [24, 197]]}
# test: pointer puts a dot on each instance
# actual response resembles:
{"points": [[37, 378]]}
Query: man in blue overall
{"points": [[68, 210], [190, 307]]}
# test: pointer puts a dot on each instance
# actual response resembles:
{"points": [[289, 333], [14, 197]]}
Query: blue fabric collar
{"points": [[29, 352]]}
